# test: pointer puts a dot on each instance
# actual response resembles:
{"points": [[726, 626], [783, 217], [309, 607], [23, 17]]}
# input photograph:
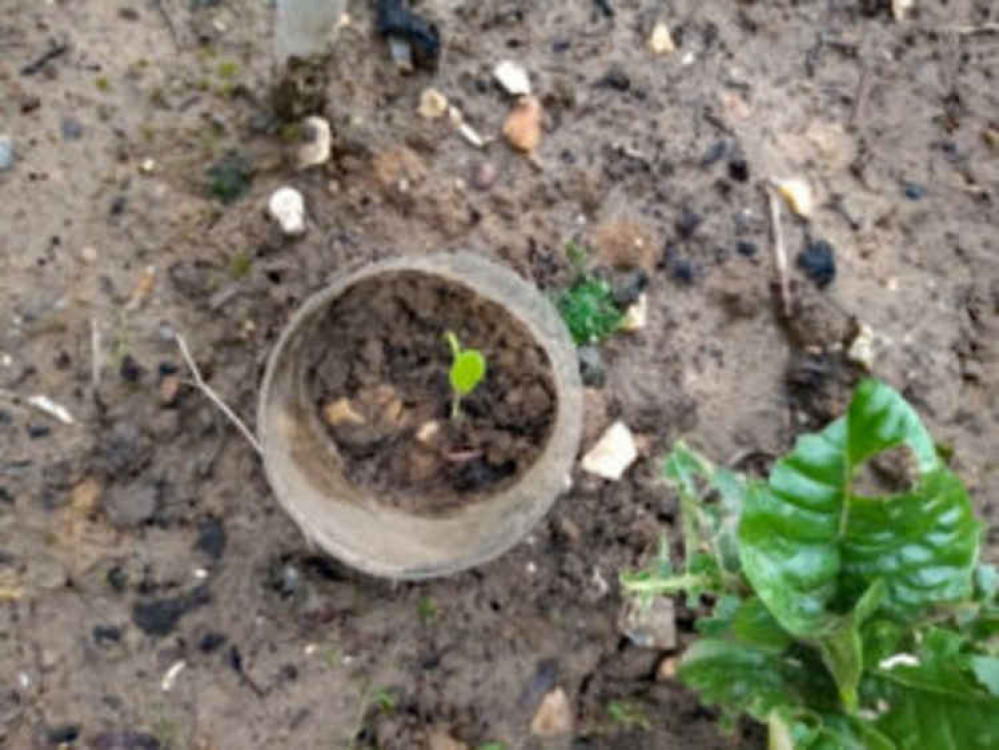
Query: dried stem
{"points": [[200, 384], [780, 254]]}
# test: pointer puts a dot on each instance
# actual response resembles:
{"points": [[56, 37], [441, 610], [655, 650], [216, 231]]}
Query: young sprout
{"points": [[468, 367]]}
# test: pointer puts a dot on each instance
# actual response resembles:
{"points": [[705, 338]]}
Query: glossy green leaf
{"points": [[467, 371], [753, 624], [742, 678], [986, 669], [809, 546], [934, 707]]}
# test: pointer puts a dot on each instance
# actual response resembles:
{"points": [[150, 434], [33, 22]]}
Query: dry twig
{"points": [[202, 386], [780, 254]]}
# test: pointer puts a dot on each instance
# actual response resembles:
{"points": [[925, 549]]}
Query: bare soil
{"points": [[380, 356], [144, 535]]}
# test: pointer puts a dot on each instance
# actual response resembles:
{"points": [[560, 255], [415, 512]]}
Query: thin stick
{"points": [[202, 386], [985, 28], [96, 355], [780, 254]]}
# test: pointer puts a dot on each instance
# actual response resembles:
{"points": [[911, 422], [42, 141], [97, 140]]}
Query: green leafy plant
{"points": [[839, 619], [588, 306], [468, 367]]}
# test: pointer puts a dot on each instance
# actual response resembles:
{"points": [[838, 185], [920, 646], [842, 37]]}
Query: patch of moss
{"points": [[240, 266], [589, 311], [230, 177], [102, 83], [228, 69]]}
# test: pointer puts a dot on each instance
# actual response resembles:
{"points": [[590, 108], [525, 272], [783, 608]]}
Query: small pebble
{"points": [[130, 371], [433, 104], [317, 145], [211, 641], [287, 207], [616, 78], [738, 168], [914, 192], [798, 194], [661, 40], [746, 249], [628, 287], [714, 154], [523, 126], [89, 255], [513, 77], [148, 166], [170, 390], [682, 271], [649, 626], [438, 739], [818, 261], [591, 366], [688, 222], [861, 350], [614, 452], [340, 412], [637, 315], [117, 579], [105, 634], [484, 175], [63, 734], [7, 156], [71, 128], [554, 716], [211, 538]]}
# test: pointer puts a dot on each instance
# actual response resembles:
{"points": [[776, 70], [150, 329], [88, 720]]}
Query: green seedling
{"points": [[839, 619], [589, 311], [492, 746], [426, 610], [468, 367], [629, 716]]}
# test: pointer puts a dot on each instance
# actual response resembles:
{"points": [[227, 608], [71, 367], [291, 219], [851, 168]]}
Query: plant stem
{"points": [[455, 407], [666, 585]]}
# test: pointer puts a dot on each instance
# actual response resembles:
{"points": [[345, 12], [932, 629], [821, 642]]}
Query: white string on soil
{"points": [[202, 386]]}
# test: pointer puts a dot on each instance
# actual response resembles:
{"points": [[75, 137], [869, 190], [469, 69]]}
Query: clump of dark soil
{"points": [[379, 378]]}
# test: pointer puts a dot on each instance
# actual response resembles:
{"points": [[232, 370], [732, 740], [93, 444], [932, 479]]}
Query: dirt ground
{"points": [[144, 535]]}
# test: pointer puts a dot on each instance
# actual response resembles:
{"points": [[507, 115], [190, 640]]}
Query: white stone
{"points": [[614, 452], [661, 40], [798, 194], [900, 8], [7, 156], [861, 351], [287, 207], [433, 104], [316, 150], [513, 77], [636, 316]]}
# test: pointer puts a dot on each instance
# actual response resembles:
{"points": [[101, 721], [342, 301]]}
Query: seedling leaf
{"points": [[467, 371]]}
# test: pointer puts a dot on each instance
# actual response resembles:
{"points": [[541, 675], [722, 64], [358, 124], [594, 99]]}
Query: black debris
{"points": [[615, 78], [628, 287], [605, 7], [211, 538], [160, 617], [688, 222], [230, 177], [395, 19], [72, 129], [746, 249], [105, 634], [130, 370], [117, 579], [63, 734], [211, 642], [44, 59], [914, 192], [118, 205], [715, 153], [591, 366], [818, 261], [39, 431], [738, 168]]}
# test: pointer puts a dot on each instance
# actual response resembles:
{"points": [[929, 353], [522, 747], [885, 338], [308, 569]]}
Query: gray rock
{"points": [[131, 505], [7, 156], [72, 129], [591, 367], [649, 626]]}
